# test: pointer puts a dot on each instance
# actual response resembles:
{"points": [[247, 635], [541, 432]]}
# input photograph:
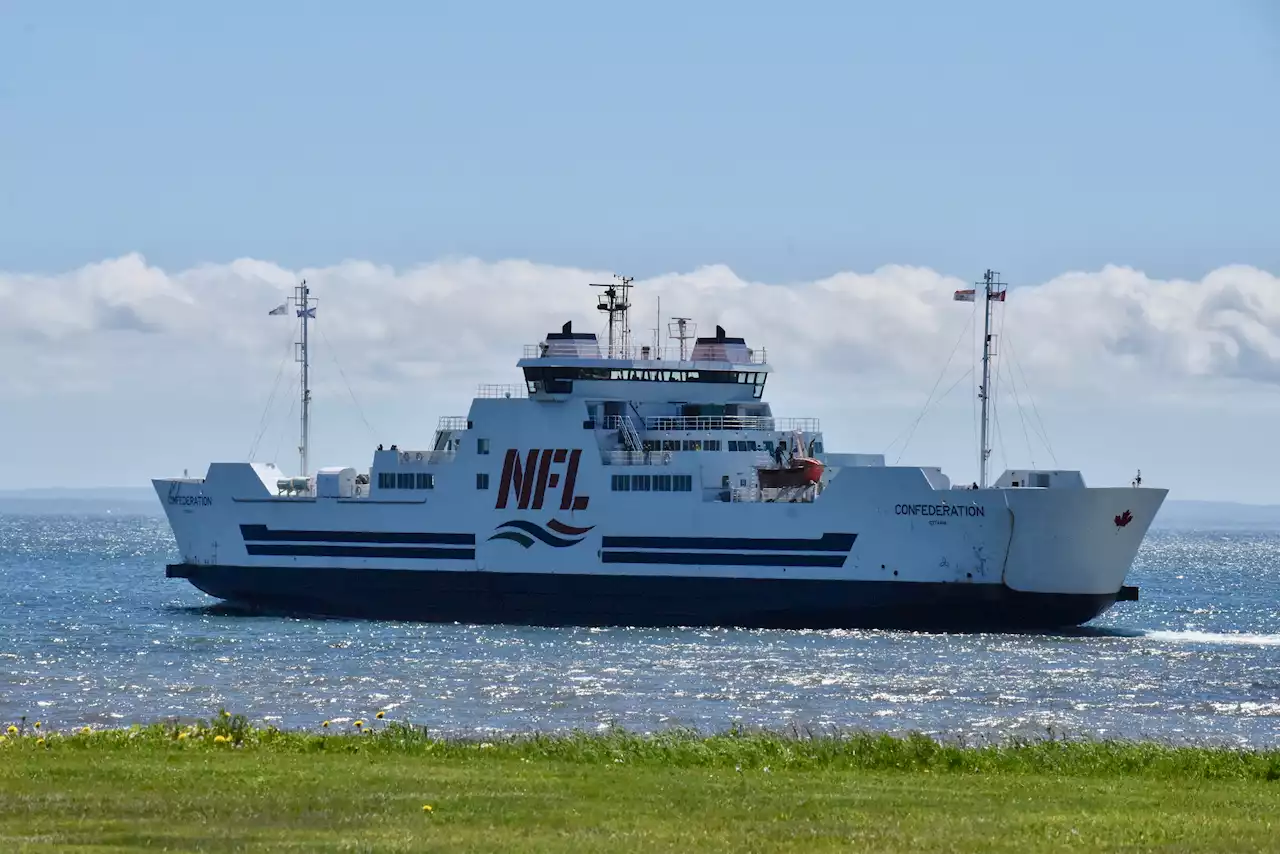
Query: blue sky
{"points": [[819, 175], [786, 141]]}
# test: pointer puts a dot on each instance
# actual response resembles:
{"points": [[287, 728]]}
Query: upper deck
{"points": [[566, 363]]}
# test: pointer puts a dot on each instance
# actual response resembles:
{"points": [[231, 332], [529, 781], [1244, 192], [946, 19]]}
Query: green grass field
{"points": [[225, 786]]}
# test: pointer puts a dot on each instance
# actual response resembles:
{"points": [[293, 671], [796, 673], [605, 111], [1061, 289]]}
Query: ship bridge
{"points": [[720, 369]]}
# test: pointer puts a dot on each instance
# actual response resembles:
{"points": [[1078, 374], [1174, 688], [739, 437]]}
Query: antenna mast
{"points": [[306, 311], [680, 330], [616, 301], [657, 333], [993, 291]]}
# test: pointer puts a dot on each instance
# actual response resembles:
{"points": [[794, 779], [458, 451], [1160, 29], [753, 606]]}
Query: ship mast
{"points": [[679, 330], [306, 311], [616, 301], [993, 290]]}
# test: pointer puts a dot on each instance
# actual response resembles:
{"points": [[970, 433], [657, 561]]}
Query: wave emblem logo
{"points": [[525, 532], [1123, 519]]}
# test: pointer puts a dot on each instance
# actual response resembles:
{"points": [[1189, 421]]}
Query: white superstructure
{"points": [[617, 487]]}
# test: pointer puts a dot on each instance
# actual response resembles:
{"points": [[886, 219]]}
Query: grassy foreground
{"points": [[225, 785]]}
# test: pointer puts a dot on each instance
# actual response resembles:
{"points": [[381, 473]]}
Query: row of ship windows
{"points": [[419, 480], [652, 483], [406, 480]]}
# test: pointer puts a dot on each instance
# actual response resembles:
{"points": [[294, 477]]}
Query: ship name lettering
{"points": [[527, 480], [938, 510], [190, 500]]}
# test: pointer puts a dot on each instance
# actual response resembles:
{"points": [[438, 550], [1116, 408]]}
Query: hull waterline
{"points": [[550, 599]]}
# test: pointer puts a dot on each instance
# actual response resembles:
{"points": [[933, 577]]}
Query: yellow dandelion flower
{"points": [[219, 739], [37, 725], [358, 724], [85, 731], [182, 736], [325, 724], [39, 742], [380, 715], [428, 808], [13, 730]]}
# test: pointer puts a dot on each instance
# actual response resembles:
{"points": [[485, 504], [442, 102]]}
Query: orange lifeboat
{"points": [[801, 471]]}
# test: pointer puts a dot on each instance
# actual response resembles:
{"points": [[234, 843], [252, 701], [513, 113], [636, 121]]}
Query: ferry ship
{"points": [[625, 486]]}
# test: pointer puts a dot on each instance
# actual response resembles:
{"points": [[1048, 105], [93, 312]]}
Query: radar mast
{"points": [[616, 301], [682, 330]]}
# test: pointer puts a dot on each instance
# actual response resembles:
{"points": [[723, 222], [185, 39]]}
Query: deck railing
{"points": [[490, 391], [451, 423], [639, 458], [730, 422], [637, 354]]}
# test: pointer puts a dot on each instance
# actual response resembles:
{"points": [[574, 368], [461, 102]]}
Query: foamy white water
{"points": [[1231, 638]]}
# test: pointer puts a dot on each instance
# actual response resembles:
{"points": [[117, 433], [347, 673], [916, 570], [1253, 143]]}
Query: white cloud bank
{"points": [[123, 337], [1080, 330]]}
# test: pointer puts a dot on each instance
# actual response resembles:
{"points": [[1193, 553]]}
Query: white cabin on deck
{"points": [[697, 425]]}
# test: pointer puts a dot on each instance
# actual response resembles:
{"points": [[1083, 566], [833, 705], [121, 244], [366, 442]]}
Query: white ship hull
{"points": [[615, 490], [879, 547]]}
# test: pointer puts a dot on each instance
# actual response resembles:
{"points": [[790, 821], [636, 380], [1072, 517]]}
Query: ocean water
{"points": [[92, 633]]}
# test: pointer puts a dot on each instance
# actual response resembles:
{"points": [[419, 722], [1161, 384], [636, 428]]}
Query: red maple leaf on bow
{"points": [[1124, 519]]}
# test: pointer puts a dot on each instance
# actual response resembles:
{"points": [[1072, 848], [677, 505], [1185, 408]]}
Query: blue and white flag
{"points": [[311, 312], [282, 308]]}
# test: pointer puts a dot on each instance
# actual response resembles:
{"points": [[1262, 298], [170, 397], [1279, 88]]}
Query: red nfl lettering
{"points": [[528, 479]]}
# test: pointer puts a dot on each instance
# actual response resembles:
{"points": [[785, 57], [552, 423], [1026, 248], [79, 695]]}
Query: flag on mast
{"points": [[969, 295], [310, 312], [282, 308]]}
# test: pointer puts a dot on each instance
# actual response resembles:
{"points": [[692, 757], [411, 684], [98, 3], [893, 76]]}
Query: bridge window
{"points": [[692, 445], [482, 480], [560, 379], [386, 480], [710, 444], [682, 482], [662, 483], [425, 480], [404, 480], [640, 483], [482, 446], [621, 483]]}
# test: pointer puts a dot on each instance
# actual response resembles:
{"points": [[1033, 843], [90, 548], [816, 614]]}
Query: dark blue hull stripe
{"points": [[825, 543], [402, 552], [569, 599], [263, 534], [720, 559]]}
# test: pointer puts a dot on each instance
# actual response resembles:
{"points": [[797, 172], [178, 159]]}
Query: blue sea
{"points": [[91, 632]]}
